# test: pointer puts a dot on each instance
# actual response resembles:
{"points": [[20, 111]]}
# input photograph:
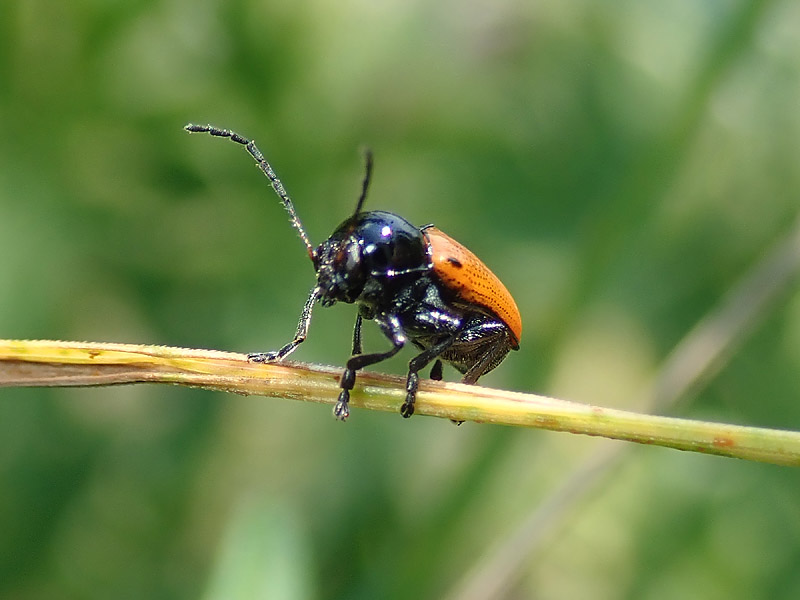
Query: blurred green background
{"points": [[619, 165]]}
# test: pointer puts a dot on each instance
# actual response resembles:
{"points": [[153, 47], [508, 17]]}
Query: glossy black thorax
{"points": [[369, 257]]}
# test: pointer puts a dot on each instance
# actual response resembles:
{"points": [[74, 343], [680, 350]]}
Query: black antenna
{"points": [[365, 183], [251, 147]]}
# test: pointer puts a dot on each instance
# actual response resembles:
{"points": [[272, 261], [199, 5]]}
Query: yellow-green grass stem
{"points": [[35, 363]]}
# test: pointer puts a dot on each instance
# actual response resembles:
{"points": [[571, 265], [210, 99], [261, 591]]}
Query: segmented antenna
{"points": [[365, 183], [265, 167]]}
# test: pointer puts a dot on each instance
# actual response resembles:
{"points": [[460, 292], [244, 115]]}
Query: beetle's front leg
{"points": [[299, 336], [394, 332]]}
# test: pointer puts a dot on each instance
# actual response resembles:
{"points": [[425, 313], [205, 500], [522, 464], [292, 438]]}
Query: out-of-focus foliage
{"points": [[619, 165]]}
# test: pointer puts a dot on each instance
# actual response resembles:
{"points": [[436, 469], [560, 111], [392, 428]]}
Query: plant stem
{"points": [[52, 363]]}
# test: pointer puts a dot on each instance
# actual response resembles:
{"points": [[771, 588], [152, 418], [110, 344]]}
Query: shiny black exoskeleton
{"points": [[382, 262], [385, 265]]}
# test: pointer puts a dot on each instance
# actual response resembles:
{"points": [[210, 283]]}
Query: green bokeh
{"points": [[619, 165]]}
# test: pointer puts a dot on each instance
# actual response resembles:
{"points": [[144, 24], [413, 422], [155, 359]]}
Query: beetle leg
{"points": [[357, 336], [436, 370], [417, 363], [395, 333], [299, 336]]}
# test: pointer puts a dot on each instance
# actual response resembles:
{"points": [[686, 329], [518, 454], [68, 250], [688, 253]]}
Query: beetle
{"points": [[418, 284]]}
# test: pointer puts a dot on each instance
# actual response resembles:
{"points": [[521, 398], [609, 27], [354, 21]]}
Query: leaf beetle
{"points": [[417, 283]]}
